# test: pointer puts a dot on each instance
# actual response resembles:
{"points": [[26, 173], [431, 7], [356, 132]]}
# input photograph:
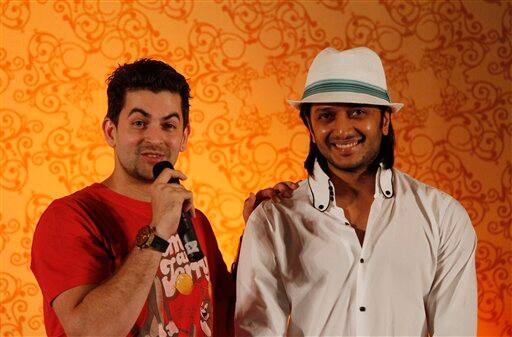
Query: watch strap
{"points": [[159, 244]]}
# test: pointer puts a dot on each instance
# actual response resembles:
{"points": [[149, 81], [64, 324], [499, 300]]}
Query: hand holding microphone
{"points": [[165, 211]]}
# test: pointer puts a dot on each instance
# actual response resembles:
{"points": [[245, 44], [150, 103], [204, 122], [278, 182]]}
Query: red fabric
{"points": [[84, 238]]}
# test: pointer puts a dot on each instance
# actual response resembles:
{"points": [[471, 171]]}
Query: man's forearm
{"points": [[112, 308]]}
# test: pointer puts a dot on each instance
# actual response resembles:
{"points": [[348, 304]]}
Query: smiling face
{"points": [[347, 135], [150, 129]]}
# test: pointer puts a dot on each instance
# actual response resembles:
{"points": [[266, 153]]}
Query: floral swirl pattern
{"points": [[15, 14], [450, 62], [17, 134]]}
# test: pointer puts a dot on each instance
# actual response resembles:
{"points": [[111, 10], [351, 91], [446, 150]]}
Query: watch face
{"points": [[143, 236]]}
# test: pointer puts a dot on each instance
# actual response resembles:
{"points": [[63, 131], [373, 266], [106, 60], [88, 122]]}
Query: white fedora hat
{"points": [[348, 76]]}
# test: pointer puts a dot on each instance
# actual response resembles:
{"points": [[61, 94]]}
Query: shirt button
{"points": [[347, 223], [362, 309], [321, 206], [362, 260]]}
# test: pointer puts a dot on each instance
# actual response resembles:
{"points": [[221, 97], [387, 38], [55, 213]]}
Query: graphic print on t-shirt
{"points": [[179, 302]]}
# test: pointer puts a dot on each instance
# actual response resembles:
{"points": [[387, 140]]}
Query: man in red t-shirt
{"points": [[107, 258]]}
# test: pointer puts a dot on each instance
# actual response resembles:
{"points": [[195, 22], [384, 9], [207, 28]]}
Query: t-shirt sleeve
{"points": [[67, 250]]}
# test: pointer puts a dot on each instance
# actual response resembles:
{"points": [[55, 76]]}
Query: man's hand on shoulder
{"points": [[281, 190]]}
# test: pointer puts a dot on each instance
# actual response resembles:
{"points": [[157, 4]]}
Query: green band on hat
{"points": [[345, 85]]}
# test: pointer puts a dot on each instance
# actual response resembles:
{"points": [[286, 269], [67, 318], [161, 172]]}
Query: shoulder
{"points": [[436, 199], [447, 212], [68, 210], [78, 199], [271, 213], [299, 196]]}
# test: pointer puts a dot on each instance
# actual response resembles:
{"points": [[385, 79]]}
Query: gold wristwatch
{"points": [[147, 238]]}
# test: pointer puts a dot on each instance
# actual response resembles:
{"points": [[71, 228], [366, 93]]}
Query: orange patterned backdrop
{"points": [[449, 61]]}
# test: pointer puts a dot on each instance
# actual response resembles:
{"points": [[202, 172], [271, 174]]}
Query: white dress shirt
{"points": [[303, 272]]}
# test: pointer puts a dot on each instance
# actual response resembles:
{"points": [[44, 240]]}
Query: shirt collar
{"points": [[322, 188]]}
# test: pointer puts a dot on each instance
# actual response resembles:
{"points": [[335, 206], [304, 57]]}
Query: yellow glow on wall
{"points": [[448, 61]]}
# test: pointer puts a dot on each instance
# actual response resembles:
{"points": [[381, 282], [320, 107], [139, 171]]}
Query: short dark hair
{"points": [[387, 146], [145, 74]]}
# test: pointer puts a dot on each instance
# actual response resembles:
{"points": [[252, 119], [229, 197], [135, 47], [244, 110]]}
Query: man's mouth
{"points": [[153, 156], [346, 146]]}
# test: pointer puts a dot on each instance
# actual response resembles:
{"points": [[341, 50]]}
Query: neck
{"points": [[128, 186], [353, 185]]}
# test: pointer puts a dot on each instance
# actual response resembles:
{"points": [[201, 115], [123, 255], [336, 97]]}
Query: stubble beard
{"points": [[138, 173], [138, 169], [367, 161]]}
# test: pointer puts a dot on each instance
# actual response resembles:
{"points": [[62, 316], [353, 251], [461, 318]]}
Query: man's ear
{"points": [[109, 131], [386, 120], [184, 139]]}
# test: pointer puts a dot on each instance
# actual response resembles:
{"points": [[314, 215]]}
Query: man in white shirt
{"points": [[360, 249]]}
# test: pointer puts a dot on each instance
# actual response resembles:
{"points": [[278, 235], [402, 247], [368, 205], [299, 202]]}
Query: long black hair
{"points": [[387, 146]]}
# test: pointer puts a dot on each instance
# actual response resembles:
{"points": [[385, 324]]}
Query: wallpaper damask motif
{"points": [[450, 62]]}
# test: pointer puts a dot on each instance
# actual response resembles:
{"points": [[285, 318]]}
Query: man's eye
{"points": [[169, 126], [325, 116], [139, 124], [357, 112]]}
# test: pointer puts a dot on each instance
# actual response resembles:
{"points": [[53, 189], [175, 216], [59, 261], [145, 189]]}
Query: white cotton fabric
{"points": [[300, 270]]}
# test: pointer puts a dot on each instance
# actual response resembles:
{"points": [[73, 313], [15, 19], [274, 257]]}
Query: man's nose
{"points": [[154, 134], [344, 126]]}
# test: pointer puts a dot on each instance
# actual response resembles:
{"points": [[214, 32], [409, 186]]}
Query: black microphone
{"points": [[186, 230]]}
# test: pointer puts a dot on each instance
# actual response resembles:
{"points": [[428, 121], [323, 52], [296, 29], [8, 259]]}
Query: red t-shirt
{"points": [[84, 238]]}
